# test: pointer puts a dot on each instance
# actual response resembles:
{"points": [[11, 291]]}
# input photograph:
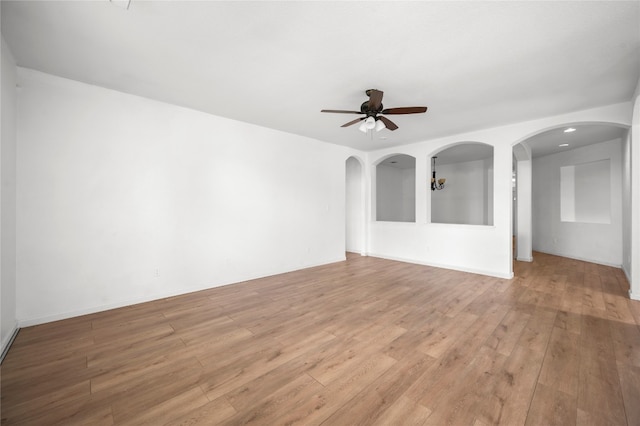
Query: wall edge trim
{"points": [[8, 341]]}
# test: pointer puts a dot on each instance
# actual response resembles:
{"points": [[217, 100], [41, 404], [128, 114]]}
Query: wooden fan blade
{"points": [[404, 110], [390, 124], [353, 122], [341, 111], [375, 99]]}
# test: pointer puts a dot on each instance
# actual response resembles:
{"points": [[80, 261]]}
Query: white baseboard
{"points": [[29, 322], [634, 296], [6, 343], [597, 262], [452, 267], [22, 323], [524, 259]]}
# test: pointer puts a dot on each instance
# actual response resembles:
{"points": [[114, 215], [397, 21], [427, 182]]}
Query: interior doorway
{"points": [[572, 193]]}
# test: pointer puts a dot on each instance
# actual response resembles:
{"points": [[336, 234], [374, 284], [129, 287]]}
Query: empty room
{"points": [[320, 212]]}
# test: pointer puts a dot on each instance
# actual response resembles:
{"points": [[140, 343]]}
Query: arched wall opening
{"points": [[573, 192], [355, 234], [466, 194]]}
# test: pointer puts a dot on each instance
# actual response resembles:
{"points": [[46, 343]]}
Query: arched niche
{"points": [[467, 194], [354, 205], [396, 189]]}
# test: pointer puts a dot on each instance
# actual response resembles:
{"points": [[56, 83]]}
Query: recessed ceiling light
{"points": [[562, 145], [569, 130]]}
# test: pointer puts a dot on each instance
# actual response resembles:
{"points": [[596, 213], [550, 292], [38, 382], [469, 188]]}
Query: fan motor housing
{"points": [[364, 108]]}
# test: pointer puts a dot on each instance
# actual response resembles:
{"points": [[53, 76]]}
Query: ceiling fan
{"points": [[373, 111]]}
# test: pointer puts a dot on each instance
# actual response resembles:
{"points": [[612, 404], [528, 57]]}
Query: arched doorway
{"points": [[571, 193]]}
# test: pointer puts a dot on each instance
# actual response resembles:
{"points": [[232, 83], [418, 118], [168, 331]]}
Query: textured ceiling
{"points": [[277, 64]]}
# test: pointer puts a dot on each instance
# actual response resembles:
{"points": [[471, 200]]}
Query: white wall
{"points": [[594, 242], [123, 199], [467, 193], [523, 196], [408, 195], [488, 190], [626, 204], [8, 321], [388, 193], [395, 194], [470, 248], [480, 249], [633, 274], [354, 206]]}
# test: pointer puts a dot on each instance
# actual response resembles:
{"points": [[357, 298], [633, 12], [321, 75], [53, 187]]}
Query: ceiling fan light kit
{"points": [[371, 124], [374, 113]]}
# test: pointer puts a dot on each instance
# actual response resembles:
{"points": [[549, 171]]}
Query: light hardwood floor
{"points": [[366, 341]]}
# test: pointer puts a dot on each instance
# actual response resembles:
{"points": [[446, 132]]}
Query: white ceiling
{"points": [[277, 64]]}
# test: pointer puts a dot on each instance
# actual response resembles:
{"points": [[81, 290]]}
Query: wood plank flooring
{"points": [[362, 342]]}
